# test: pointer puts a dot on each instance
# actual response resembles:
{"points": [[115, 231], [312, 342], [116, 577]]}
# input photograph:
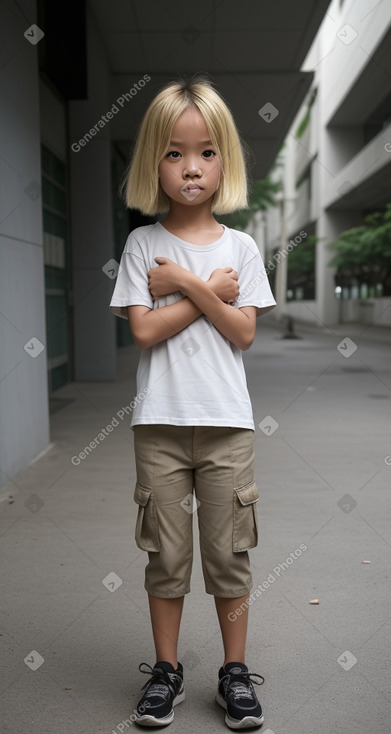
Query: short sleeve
{"points": [[131, 288], [253, 281]]}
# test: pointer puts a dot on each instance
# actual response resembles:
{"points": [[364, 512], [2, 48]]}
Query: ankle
{"points": [[172, 661]]}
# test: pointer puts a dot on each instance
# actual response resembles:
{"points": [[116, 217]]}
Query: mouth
{"points": [[190, 191]]}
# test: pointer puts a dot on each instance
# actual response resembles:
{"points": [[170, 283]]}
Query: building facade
{"points": [[335, 166], [76, 78]]}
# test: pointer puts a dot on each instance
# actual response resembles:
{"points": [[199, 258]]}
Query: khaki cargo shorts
{"points": [[203, 470]]}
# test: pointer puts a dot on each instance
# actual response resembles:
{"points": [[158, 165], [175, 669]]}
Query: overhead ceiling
{"points": [[251, 50]]}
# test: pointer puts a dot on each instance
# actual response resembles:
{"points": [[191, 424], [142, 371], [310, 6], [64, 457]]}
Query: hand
{"points": [[165, 279], [224, 283]]}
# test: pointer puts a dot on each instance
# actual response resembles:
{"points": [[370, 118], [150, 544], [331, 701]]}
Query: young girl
{"points": [[191, 289]]}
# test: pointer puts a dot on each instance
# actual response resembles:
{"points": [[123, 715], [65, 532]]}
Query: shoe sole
{"points": [[246, 723], [146, 720]]}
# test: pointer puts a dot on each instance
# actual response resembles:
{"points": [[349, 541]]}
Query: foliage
{"points": [[307, 115], [301, 260], [261, 197], [303, 124], [301, 267], [363, 253]]}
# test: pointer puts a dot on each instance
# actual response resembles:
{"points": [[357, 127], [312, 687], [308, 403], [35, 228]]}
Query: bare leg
{"points": [[166, 617], [233, 627]]}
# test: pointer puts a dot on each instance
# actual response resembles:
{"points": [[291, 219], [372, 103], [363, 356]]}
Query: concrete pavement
{"points": [[74, 617]]}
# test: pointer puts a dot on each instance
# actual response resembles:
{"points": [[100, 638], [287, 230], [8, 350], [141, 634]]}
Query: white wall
{"points": [[371, 159], [369, 311], [344, 62], [24, 420]]}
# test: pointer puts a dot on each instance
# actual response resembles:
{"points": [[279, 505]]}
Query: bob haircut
{"points": [[141, 184]]}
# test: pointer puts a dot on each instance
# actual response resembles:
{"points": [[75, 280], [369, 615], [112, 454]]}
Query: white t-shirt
{"points": [[196, 377]]}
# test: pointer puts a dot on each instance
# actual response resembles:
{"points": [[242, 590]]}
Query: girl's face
{"points": [[190, 170]]}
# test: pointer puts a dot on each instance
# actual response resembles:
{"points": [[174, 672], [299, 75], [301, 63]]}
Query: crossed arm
{"points": [[151, 326]]}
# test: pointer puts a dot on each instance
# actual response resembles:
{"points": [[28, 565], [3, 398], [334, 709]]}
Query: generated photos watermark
{"points": [[278, 256], [34, 34], [125, 723], [114, 423], [125, 97], [272, 577], [276, 259], [34, 660]]}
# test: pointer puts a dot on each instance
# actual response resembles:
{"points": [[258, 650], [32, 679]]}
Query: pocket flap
{"points": [[141, 495], [248, 494]]}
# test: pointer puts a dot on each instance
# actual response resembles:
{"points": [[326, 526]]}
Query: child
{"points": [[191, 289]]}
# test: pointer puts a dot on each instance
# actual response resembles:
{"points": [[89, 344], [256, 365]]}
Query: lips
{"points": [[190, 191]]}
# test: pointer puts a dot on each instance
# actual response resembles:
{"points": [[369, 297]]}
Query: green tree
{"points": [[301, 267], [262, 196], [363, 253]]}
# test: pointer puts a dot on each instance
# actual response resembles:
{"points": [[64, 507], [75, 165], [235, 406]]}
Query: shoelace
{"points": [[242, 688], [157, 685]]}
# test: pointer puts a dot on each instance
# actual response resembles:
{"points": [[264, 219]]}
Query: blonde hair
{"points": [[140, 187]]}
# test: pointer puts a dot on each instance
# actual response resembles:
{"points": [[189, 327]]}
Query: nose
{"points": [[192, 169], [193, 173]]}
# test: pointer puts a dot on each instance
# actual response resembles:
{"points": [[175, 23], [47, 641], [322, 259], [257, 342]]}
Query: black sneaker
{"points": [[236, 695], [162, 692]]}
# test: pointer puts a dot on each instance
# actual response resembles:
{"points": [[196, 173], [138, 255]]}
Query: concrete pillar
{"points": [[91, 220], [24, 418], [256, 229], [329, 226], [282, 267]]}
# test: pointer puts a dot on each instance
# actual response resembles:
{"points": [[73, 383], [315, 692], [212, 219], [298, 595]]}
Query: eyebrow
{"points": [[202, 142]]}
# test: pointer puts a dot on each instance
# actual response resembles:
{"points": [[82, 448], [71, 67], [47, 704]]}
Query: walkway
{"points": [[75, 621]]}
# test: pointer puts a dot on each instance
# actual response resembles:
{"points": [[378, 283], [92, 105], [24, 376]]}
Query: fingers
{"points": [[229, 271]]}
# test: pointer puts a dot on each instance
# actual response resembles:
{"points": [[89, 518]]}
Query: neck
{"points": [[190, 217]]}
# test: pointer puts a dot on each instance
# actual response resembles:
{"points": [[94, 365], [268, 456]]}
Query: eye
{"points": [[209, 151], [173, 153]]}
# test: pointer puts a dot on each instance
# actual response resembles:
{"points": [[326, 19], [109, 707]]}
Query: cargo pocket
{"points": [[245, 521], [147, 529]]}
